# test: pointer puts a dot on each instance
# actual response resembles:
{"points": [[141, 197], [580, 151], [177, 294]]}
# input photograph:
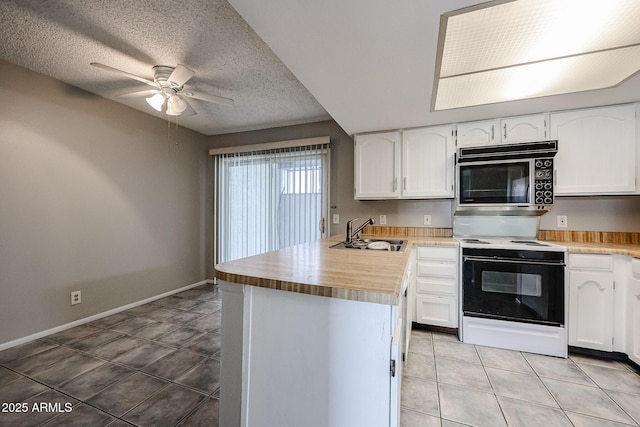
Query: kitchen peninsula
{"points": [[311, 335]]}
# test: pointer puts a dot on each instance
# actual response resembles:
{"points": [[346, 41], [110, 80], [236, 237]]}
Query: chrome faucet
{"points": [[351, 234]]}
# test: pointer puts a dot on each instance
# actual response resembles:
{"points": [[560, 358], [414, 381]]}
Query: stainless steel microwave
{"points": [[507, 179]]}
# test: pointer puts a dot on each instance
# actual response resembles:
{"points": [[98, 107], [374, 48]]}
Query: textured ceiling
{"points": [[60, 38]]}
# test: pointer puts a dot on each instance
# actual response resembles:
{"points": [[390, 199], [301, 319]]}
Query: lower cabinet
{"points": [[591, 285], [633, 312], [436, 286]]}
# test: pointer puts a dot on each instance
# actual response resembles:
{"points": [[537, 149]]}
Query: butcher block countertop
{"points": [[316, 269], [595, 242], [376, 276]]}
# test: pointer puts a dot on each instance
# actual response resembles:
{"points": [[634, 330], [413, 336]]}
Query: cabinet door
{"points": [[437, 310], [428, 156], [591, 309], [377, 166], [474, 134], [524, 129], [633, 337], [596, 151]]}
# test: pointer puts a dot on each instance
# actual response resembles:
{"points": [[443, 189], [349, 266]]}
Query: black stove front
{"points": [[514, 285]]}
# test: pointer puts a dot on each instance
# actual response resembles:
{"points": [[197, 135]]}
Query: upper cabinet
{"points": [[476, 134], [413, 164], [596, 151], [377, 165], [510, 130], [428, 156]]}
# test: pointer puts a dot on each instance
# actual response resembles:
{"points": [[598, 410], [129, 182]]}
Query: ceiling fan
{"points": [[168, 83]]}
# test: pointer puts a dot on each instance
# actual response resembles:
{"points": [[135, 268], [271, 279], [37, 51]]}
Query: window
{"points": [[269, 199]]}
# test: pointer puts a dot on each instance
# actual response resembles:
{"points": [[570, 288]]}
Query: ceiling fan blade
{"points": [[209, 98], [124, 73], [180, 75], [139, 93]]}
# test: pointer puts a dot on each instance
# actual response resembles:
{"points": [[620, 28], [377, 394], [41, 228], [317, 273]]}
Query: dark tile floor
{"points": [[157, 364]]}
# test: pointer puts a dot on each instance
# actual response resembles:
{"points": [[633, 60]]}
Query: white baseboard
{"points": [[9, 344]]}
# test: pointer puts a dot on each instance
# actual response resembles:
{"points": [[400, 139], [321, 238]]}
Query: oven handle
{"points": [[510, 261]]}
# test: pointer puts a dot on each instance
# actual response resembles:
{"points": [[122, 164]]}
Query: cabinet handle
{"points": [[505, 131], [492, 132], [395, 184], [404, 183]]}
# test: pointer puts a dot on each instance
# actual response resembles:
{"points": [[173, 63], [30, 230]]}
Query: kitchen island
{"points": [[313, 336]]}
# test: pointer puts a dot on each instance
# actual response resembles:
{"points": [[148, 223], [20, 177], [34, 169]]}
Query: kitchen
{"points": [[115, 166]]}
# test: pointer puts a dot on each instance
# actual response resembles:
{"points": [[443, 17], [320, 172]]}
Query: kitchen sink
{"points": [[392, 245]]}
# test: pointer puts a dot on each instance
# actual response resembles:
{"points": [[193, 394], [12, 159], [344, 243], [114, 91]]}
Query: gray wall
{"points": [[93, 197]]}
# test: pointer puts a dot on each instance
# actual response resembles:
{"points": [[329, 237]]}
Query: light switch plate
{"points": [[426, 220], [336, 218], [383, 219]]}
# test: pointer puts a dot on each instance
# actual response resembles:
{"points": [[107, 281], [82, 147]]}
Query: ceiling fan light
{"points": [[176, 105], [156, 101]]}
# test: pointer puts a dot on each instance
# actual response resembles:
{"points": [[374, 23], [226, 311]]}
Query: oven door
{"points": [[505, 285], [505, 182]]}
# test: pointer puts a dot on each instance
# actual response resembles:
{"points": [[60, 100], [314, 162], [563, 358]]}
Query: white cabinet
{"points": [[475, 134], [596, 151], [633, 312], [428, 156], [377, 165], [510, 130], [436, 286], [326, 360], [529, 128], [591, 286], [414, 164]]}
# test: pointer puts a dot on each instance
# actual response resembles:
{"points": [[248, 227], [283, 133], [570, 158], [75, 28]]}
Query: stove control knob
{"points": [[538, 163], [547, 163]]}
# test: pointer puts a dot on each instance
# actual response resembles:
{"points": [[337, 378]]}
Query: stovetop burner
{"points": [[484, 242], [514, 242], [529, 242]]}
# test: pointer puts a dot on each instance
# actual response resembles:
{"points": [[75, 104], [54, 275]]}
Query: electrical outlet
{"points": [[383, 219], [336, 218], [76, 297], [562, 221], [426, 220]]}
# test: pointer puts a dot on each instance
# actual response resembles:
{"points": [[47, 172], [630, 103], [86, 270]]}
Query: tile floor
{"points": [[448, 383], [159, 365]]}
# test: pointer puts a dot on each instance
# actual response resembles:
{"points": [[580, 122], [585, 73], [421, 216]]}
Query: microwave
{"points": [[508, 179]]}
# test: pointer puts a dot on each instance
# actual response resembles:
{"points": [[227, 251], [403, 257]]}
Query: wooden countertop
{"points": [[607, 248], [370, 276], [316, 269]]}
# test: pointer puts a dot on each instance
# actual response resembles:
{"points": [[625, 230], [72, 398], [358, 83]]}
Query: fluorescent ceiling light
{"points": [[503, 51]]}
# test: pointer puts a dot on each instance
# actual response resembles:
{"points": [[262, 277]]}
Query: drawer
{"points": [[437, 311], [591, 262], [437, 252], [436, 268], [439, 285]]}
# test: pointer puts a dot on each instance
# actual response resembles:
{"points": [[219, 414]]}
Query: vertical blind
{"points": [[269, 199]]}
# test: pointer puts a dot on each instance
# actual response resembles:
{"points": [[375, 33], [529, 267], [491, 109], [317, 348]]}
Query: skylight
{"points": [[504, 51]]}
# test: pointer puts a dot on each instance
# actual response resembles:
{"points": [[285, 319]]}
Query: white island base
{"points": [[291, 360]]}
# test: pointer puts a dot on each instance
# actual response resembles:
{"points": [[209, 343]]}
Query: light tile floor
{"points": [[448, 383], [156, 365], [159, 365]]}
